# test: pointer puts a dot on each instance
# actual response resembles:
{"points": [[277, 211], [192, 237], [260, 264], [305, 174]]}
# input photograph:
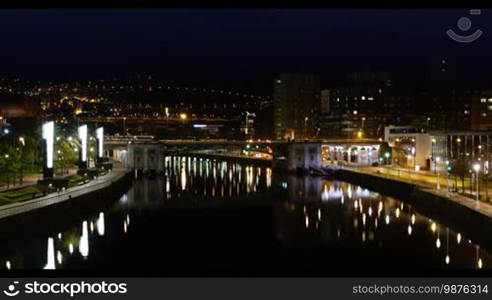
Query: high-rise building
{"points": [[324, 115], [481, 112], [363, 107], [296, 106]]}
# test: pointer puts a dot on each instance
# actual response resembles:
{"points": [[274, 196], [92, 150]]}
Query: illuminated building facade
{"points": [[296, 106]]}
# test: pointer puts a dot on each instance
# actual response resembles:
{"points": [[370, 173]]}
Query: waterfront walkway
{"points": [[54, 198], [481, 207], [32, 179]]}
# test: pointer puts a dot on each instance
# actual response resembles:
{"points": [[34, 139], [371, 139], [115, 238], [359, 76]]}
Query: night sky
{"points": [[237, 45]]}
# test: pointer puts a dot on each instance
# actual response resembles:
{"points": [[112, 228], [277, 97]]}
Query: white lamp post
{"points": [[83, 146], [476, 168], [438, 159], [48, 130], [447, 172], [100, 142]]}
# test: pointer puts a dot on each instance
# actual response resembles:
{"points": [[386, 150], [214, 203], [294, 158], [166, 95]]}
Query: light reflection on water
{"points": [[310, 213]]}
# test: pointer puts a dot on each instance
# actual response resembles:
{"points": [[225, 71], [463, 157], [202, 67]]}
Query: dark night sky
{"points": [[237, 45]]}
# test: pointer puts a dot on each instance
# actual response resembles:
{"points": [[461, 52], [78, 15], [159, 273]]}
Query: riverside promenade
{"points": [[474, 217], [101, 182], [482, 207]]}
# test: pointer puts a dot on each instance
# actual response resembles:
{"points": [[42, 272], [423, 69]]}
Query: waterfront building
{"points": [[363, 107], [411, 146], [473, 146], [296, 106], [481, 110]]}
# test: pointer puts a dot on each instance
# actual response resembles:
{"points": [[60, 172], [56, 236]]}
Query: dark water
{"points": [[209, 218]]}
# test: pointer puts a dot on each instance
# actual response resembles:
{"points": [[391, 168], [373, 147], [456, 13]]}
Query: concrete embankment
{"points": [[54, 211], [472, 219]]}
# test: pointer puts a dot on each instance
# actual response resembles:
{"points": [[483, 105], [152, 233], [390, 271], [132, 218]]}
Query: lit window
{"points": [[490, 100], [484, 114], [483, 100], [363, 97], [467, 112], [370, 98]]}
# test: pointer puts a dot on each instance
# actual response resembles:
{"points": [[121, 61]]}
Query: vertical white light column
{"points": [[83, 143], [49, 136], [100, 142]]}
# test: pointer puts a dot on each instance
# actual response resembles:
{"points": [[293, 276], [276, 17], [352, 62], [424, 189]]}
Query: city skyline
{"points": [[211, 142]]}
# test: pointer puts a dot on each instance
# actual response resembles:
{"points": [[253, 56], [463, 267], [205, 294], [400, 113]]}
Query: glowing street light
{"points": [[437, 161], [100, 141], [48, 130], [476, 168], [183, 116], [83, 146], [387, 155]]}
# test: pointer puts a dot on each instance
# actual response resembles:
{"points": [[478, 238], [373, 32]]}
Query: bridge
{"points": [[145, 153], [153, 119]]}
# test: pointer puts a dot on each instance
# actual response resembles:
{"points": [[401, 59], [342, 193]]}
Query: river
{"points": [[210, 217]]}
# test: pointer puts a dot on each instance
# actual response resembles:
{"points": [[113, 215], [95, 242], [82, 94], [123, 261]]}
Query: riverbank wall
{"points": [[451, 210], [41, 216]]}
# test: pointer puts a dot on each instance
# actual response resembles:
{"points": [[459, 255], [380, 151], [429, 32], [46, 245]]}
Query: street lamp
{"points": [[476, 168], [438, 159], [414, 153], [447, 173], [124, 126], [305, 126], [387, 155]]}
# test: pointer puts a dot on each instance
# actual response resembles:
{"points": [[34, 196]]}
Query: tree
{"points": [[66, 154], [459, 168], [9, 160], [383, 149], [29, 153]]}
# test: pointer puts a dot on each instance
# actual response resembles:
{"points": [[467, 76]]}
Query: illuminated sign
{"points": [[49, 136], [83, 142], [199, 125], [100, 141]]}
